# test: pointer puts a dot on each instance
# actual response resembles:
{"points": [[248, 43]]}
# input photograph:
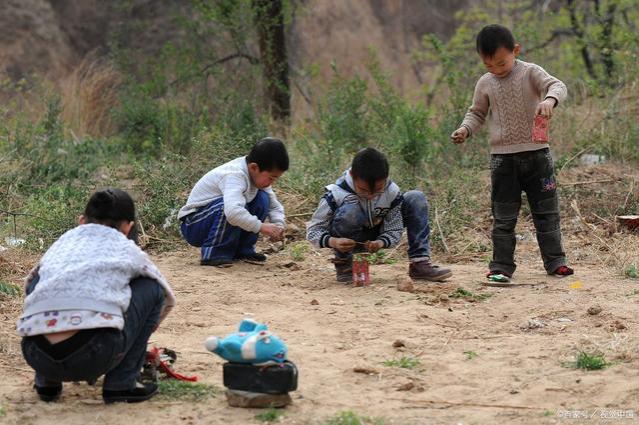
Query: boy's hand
{"points": [[273, 231], [373, 246], [460, 135], [546, 107], [342, 244]]}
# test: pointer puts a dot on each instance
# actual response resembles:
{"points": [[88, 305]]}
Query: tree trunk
{"points": [[607, 47], [579, 32], [269, 20]]}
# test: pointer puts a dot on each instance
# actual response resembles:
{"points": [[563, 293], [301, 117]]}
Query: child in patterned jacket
{"points": [[365, 211]]}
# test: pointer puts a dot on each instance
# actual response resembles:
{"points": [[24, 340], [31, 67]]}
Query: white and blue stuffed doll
{"points": [[253, 344]]}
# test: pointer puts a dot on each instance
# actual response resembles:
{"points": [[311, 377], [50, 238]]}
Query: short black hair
{"points": [[492, 37], [110, 207], [370, 165], [269, 154]]}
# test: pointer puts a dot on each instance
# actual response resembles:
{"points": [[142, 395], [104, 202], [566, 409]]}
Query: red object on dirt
{"points": [[540, 129], [630, 221], [361, 274], [153, 356]]}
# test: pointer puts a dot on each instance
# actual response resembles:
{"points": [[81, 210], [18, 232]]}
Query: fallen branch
{"points": [[441, 233], [304, 214], [570, 159], [589, 182]]}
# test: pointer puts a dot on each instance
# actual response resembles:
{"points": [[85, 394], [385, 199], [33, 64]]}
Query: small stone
{"points": [[618, 325], [594, 310], [406, 387], [532, 324], [399, 343], [513, 391], [405, 285], [365, 370], [238, 398], [314, 302]]}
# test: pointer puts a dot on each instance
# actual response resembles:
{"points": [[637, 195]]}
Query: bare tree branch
{"points": [[555, 34]]}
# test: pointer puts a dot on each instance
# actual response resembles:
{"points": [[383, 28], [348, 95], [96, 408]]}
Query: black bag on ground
{"points": [[276, 379]]}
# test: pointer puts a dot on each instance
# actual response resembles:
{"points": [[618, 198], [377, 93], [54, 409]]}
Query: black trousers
{"points": [[532, 172]]}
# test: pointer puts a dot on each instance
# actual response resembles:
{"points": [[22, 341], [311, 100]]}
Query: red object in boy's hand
{"points": [[540, 129]]}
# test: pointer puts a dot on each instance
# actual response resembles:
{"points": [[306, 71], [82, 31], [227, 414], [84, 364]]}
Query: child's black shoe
{"points": [[141, 392], [257, 257], [49, 394], [217, 262]]}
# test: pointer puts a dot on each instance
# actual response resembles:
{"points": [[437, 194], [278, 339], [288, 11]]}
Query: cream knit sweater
{"points": [[89, 268], [509, 105]]}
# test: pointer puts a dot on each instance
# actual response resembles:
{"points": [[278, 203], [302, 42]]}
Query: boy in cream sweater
{"points": [[509, 96]]}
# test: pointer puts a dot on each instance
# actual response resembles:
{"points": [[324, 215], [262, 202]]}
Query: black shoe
{"points": [[255, 256], [217, 262], [141, 392], [49, 394]]}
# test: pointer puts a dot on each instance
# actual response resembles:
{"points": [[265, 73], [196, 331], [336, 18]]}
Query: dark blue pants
{"points": [[350, 221], [531, 172], [118, 355], [207, 228]]}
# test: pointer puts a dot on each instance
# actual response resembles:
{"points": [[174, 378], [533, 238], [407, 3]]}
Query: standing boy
{"points": [[510, 95], [227, 208], [365, 211]]}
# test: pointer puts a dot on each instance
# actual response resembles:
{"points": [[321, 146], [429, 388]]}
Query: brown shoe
{"points": [[343, 270], [425, 270]]}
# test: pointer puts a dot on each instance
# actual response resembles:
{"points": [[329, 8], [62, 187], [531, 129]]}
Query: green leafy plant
{"points": [[379, 257], [470, 355], [403, 362], [179, 390], [298, 250], [269, 415], [3, 412]]}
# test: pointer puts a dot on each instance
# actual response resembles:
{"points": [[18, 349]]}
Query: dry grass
{"points": [[89, 96], [14, 266]]}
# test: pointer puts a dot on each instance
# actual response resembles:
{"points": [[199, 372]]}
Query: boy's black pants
{"points": [[531, 172]]}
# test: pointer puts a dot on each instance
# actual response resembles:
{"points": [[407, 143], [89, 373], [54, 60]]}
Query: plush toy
{"points": [[253, 343]]}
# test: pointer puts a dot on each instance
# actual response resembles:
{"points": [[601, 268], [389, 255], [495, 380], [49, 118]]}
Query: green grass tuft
{"points": [[180, 390], [404, 363], [468, 295], [2, 412], [588, 361], [9, 289], [348, 417], [631, 272], [269, 415]]}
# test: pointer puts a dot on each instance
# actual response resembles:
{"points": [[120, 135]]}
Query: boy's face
{"points": [[501, 63], [363, 189], [263, 179]]}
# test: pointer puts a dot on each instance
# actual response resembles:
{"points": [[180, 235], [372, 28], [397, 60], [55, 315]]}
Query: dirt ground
{"points": [[485, 360]]}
